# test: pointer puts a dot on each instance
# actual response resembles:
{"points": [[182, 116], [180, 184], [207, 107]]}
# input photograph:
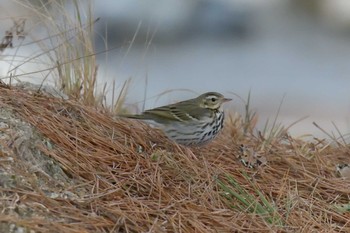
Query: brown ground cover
{"points": [[66, 167]]}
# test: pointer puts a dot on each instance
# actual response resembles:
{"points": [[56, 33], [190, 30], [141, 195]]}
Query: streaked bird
{"points": [[191, 122]]}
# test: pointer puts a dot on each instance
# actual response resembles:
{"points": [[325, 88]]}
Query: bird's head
{"points": [[212, 100]]}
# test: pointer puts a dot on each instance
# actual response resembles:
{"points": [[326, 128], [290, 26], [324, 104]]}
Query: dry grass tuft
{"points": [[15, 32], [126, 177]]}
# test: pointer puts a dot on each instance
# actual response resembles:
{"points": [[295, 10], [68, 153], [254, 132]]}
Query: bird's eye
{"points": [[213, 99]]}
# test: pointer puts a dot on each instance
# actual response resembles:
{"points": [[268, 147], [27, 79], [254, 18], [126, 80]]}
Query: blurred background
{"points": [[292, 51]]}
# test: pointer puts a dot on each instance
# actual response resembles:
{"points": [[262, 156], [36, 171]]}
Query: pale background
{"points": [[273, 48]]}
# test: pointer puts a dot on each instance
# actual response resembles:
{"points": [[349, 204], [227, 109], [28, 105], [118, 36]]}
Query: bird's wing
{"points": [[166, 113], [162, 114], [182, 112], [179, 112]]}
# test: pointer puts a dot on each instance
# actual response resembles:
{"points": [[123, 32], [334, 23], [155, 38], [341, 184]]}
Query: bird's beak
{"points": [[226, 100]]}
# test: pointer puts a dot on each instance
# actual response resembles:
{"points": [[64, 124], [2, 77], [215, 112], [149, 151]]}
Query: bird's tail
{"points": [[133, 116]]}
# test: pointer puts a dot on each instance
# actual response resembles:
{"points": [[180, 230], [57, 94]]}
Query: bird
{"points": [[192, 122]]}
